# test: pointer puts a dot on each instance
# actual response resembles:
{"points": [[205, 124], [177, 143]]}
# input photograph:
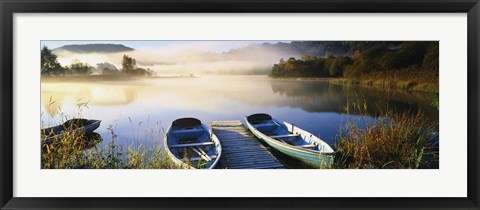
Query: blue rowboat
{"points": [[73, 126], [291, 140], [190, 144]]}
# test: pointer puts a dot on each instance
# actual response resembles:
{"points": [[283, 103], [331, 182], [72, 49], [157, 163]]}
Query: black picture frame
{"points": [[10, 7]]}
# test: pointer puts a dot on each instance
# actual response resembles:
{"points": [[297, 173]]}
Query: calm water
{"points": [[139, 110]]}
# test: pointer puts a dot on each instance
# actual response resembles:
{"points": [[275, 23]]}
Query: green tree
{"points": [[49, 63], [431, 58], [409, 53]]}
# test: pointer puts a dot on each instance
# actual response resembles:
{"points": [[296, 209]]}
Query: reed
{"points": [[83, 151], [389, 141]]}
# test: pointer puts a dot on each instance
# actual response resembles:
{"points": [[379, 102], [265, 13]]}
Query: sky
{"points": [[213, 46]]}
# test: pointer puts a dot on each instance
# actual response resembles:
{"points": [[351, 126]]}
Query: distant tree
{"points": [[107, 68], [49, 64], [338, 66], [362, 60], [79, 68], [408, 54], [153, 73], [431, 58], [129, 65], [357, 54]]}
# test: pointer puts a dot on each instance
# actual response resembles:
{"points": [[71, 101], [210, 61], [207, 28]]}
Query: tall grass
{"points": [[76, 150], [72, 152], [389, 141], [410, 79]]}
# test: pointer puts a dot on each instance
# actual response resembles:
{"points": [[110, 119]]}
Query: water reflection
{"points": [[323, 96], [99, 94], [133, 107]]}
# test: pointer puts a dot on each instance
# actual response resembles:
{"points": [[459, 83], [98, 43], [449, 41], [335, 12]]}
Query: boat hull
{"points": [[215, 151], [59, 132], [313, 158]]}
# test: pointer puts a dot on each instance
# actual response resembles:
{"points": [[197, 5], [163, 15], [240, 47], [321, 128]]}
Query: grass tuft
{"points": [[390, 141]]}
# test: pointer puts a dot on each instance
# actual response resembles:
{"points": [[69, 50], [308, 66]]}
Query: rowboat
{"points": [[190, 144], [291, 140], [75, 126]]}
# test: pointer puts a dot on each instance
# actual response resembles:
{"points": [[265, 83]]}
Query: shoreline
{"points": [[397, 85], [108, 78], [406, 85]]}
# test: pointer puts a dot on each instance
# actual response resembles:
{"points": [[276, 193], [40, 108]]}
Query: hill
{"points": [[91, 48]]}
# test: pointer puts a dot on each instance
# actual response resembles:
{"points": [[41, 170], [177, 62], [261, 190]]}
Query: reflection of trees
{"points": [[202, 94], [322, 96], [130, 93], [311, 96]]}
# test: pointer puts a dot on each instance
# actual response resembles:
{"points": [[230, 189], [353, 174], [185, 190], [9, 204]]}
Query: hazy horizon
{"points": [[180, 57]]}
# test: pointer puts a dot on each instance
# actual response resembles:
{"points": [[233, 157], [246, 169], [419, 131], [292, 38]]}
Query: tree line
{"points": [[384, 58], [50, 67]]}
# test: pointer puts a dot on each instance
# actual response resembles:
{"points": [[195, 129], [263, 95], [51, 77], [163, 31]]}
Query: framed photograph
{"points": [[239, 105]]}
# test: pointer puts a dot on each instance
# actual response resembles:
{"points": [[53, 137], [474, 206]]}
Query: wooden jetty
{"points": [[241, 149]]}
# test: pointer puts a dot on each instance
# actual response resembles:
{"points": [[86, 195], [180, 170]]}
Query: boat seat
{"points": [[265, 127], [284, 136], [187, 133], [192, 144]]}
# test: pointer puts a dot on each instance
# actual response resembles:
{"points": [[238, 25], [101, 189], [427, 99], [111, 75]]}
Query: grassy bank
{"points": [[410, 79], [408, 85], [390, 141], [75, 150], [84, 151]]}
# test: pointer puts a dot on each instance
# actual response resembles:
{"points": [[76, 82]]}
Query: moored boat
{"points": [[75, 126], [190, 144], [291, 140]]}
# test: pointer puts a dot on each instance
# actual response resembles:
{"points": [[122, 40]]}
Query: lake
{"points": [[140, 110]]}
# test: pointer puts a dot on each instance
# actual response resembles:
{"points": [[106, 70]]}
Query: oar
{"points": [[206, 158], [203, 152]]}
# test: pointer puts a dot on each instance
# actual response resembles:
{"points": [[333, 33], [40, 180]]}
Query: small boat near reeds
{"points": [[190, 144], [291, 140], [75, 126]]}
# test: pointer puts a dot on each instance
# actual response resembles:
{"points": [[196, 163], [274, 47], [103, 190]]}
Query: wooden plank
{"points": [[191, 144], [263, 165], [245, 151], [233, 135], [256, 166], [243, 144], [241, 149], [256, 153], [236, 133], [230, 132]]}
